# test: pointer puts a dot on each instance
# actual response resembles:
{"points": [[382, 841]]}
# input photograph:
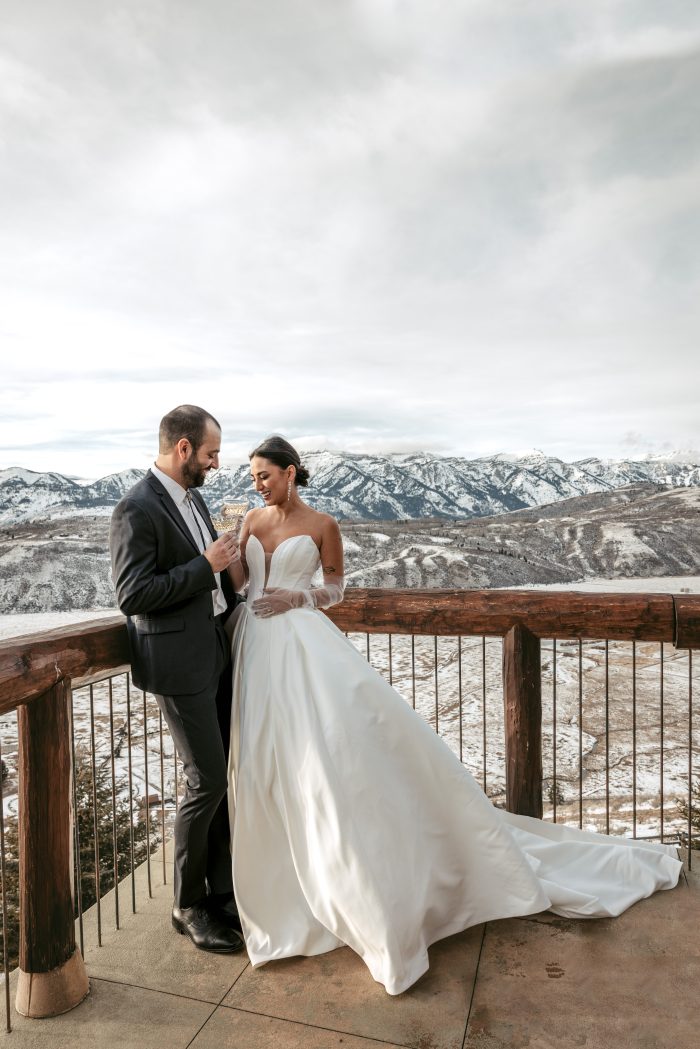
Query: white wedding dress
{"points": [[353, 823]]}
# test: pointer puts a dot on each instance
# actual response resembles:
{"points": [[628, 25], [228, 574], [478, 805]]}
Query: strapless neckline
{"points": [[271, 554]]}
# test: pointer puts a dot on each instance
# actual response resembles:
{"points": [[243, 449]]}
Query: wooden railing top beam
{"points": [[32, 664], [547, 614]]}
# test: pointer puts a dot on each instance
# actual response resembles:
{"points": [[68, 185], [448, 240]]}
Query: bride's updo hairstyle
{"points": [[280, 452]]}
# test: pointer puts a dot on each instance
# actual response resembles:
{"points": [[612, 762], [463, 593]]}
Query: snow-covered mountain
{"points": [[373, 487], [637, 531], [26, 496]]}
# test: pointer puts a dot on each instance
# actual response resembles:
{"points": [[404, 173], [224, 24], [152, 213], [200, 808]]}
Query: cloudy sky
{"points": [[465, 226]]}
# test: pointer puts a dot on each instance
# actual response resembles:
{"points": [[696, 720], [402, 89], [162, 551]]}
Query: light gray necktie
{"points": [[190, 502]]}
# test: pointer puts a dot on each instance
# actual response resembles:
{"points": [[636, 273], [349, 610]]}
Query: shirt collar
{"points": [[176, 492]]}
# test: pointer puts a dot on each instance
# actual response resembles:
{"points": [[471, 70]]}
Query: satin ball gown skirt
{"points": [[353, 823]]}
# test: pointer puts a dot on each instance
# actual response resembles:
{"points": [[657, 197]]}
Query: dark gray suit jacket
{"points": [[164, 587]]}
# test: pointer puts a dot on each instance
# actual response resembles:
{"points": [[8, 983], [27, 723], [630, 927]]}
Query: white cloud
{"points": [[459, 227]]}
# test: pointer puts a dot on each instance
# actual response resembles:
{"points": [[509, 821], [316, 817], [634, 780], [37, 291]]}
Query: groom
{"points": [[169, 572]]}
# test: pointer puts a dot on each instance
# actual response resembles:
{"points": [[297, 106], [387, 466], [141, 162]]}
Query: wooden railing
{"points": [[522, 618], [36, 677], [38, 672]]}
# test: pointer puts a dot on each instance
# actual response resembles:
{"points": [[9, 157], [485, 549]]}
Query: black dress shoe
{"points": [[223, 907], [205, 930]]}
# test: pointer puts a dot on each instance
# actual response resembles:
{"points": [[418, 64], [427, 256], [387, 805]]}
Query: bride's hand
{"points": [[276, 600]]}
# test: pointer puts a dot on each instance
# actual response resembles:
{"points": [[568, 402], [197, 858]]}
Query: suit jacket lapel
{"points": [[170, 508]]}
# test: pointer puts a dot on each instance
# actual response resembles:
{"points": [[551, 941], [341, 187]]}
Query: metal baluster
{"points": [[607, 737], [580, 734], [661, 738], [435, 667], [115, 842], [554, 729], [459, 681], [690, 757], [368, 652], [5, 960], [483, 710], [162, 794], [177, 785], [391, 670], [76, 831], [147, 811], [413, 670], [95, 817], [131, 794], [634, 739]]}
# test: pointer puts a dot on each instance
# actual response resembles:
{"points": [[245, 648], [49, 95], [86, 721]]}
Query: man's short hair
{"points": [[185, 421]]}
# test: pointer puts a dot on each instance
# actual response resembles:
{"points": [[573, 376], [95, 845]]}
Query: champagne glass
{"points": [[230, 518]]}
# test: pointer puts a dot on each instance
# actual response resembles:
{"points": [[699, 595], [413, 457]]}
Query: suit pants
{"points": [[199, 724]]}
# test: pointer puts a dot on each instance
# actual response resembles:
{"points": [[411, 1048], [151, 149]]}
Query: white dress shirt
{"points": [[197, 527]]}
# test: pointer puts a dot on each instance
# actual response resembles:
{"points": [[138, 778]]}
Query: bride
{"points": [[352, 821]]}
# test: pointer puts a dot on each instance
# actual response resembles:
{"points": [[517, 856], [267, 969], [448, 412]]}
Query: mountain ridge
{"points": [[362, 486]]}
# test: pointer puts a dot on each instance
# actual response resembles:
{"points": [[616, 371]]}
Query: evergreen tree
{"points": [[694, 817]]}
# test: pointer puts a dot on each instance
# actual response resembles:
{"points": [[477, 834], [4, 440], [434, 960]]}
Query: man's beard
{"points": [[193, 474]]}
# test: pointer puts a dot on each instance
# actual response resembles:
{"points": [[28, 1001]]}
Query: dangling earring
{"points": [[289, 490]]}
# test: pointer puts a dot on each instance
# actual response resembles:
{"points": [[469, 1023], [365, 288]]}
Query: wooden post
{"points": [[522, 691], [52, 976]]}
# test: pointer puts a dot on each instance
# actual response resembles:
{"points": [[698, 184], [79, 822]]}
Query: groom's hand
{"points": [[222, 552]]}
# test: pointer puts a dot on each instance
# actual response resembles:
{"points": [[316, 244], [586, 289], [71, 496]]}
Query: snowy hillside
{"points": [[642, 530]]}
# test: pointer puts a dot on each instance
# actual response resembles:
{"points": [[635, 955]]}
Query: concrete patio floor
{"points": [[541, 982]]}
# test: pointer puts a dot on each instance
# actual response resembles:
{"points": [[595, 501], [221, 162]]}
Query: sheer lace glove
{"points": [[276, 600]]}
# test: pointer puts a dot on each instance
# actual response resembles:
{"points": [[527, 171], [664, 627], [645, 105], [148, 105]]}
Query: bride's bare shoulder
{"points": [[320, 519], [326, 525]]}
